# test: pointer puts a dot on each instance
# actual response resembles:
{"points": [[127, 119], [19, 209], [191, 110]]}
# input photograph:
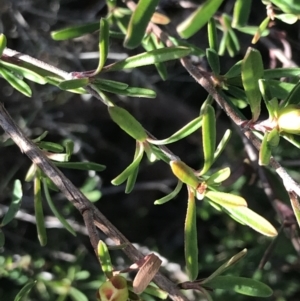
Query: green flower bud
{"points": [[288, 120], [115, 289]]}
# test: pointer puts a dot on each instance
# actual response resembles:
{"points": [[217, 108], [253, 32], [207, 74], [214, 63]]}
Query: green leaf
{"points": [[252, 71], [212, 35], [74, 31], [287, 18], [54, 210], [81, 165], [73, 83], [265, 151], [288, 6], [260, 30], [208, 137], [15, 203], [51, 146], [170, 196], [273, 138], [104, 258], [56, 81], [225, 266], [184, 173], [39, 215], [69, 145], [2, 43], [225, 199], [252, 30], [15, 82], [281, 72], [77, 295], [149, 58], [241, 285], [131, 168], [219, 176], [190, 239], [25, 290], [241, 13], [294, 96], [213, 60], [188, 129], [194, 49], [127, 123], [25, 72], [252, 219], [198, 19], [234, 71], [156, 292], [103, 44], [41, 137], [109, 85], [139, 22]]}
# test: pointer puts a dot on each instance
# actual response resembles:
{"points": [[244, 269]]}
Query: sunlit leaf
{"points": [[190, 239], [149, 58], [2, 43], [170, 196], [114, 289], [104, 258], [219, 176], [188, 129], [295, 205], [127, 123], [198, 19], [77, 295], [51, 146], [212, 34], [260, 30], [225, 199], [15, 82], [281, 72], [265, 151], [241, 13], [208, 137], [74, 31], [252, 219], [287, 18], [241, 285], [138, 22], [252, 71]]}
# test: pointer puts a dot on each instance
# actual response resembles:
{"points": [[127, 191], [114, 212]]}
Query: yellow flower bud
{"points": [[288, 120], [115, 289]]}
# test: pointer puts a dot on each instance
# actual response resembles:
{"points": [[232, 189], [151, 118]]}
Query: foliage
{"points": [[218, 199]]}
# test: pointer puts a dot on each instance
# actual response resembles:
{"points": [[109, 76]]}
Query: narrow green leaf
{"points": [[109, 84], [77, 295], [241, 13], [198, 19], [15, 82], [219, 176], [81, 165], [2, 43], [260, 30], [39, 214], [127, 123], [74, 31], [273, 138], [139, 22], [132, 177], [15, 203], [213, 60], [41, 137], [190, 239], [73, 83], [235, 70], [212, 34], [149, 58], [252, 30], [184, 173], [156, 292], [51, 146], [56, 81], [103, 44], [130, 169], [188, 129], [288, 6], [287, 18], [241, 285], [208, 137], [25, 72], [253, 220], [228, 264], [252, 71], [54, 210], [104, 258], [281, 72], [278, 89], [69, 145], [225, 199], [170, 196], [31, 173], [294, 96], [223, 43], [194, 49], [25, 290], [264, 152]]}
